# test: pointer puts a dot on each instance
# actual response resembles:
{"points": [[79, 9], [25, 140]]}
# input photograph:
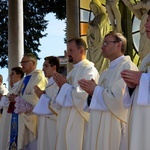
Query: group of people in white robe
{"points": [[18, 127], [83, 111]]}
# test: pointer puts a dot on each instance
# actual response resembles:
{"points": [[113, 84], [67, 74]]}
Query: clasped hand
{"points": [[12, 97], [87, 85], [132, 78], [59, 79], [38, 91]]}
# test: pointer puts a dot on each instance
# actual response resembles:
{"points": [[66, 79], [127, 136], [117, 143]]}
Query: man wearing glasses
{"points": [[25, 102], [105, 102]]}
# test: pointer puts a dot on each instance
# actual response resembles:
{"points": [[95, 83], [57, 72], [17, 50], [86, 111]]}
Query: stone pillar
{"points": [[72, 12], [15, 33]]}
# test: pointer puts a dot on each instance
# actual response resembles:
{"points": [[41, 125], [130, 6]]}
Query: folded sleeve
{"points": [[64, 97], [144, 90], [97, 102]]}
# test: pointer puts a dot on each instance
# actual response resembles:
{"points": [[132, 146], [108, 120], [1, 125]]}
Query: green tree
{"points": [[3, 33], [34, 24]]}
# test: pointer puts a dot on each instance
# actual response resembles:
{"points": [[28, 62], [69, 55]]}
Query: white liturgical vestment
{"points": [[108, 116], [139, 121], [47, 117], [72, 120], [27, 122]]}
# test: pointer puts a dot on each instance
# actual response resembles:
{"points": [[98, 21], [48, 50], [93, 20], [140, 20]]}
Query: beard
{"points": [[70, 59]]}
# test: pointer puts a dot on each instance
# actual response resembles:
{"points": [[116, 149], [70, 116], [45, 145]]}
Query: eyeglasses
{"points": [[24, 62], [107, 42]]}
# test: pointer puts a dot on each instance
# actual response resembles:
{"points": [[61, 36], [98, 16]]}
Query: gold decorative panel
{"points": [[84, 4], [83, 27]]}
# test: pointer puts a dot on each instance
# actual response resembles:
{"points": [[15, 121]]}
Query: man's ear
{"points": [[119, 44], [54, 67], [82, 50], [34, 63], [19, 76]]}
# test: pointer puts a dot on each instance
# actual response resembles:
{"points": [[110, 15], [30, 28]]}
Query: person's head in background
{"points": [[16, 75], [76, 50], [114, 46], [29, 63], [147, 25], [1, 79], [50, 66]]}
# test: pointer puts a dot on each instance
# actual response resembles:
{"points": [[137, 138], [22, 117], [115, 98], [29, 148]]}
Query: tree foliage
{"points": [[3, 33], [34, 24]]}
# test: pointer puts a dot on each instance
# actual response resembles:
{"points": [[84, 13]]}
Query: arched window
{"points": [[136, 38]]}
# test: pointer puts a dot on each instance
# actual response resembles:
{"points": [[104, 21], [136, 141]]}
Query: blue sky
{"points": [[52, 44]]}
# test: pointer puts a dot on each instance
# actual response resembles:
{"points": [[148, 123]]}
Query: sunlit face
{"points": [[47, 69], [110, 48], [74, 53], [147, 27], [28, 64], [14, 77]]}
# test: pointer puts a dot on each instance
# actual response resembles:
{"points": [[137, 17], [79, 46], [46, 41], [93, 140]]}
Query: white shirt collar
{"points": [[30, 73], [78, 64], [50, 81], [114, 63], [16, 84]]}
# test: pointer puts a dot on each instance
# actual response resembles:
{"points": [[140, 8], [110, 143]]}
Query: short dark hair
{"points": [[18, 70], [53, 61], [119, 38], [79, 42]]}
